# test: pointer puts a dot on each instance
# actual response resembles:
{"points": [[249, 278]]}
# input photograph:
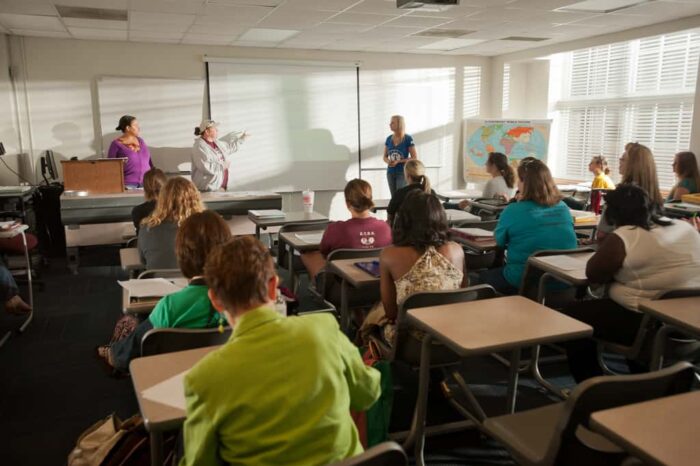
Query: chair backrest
{"points": [[606, 392], [531, 275], [160, 273], [404, 347], [294, 227], [168, 340], [384, 454]]}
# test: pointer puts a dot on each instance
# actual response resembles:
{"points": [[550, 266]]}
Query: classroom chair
{"points": [[297, 267], [558, 434], [680, 346], [168, 340], [384, 454]]}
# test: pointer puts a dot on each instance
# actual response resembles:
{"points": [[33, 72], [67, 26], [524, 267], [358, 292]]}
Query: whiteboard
{"points": [[167, 111], [302, 118]]}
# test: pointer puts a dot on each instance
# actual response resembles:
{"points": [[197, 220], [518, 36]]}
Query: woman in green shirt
{"points": [[189, 307], [686, 169], [281, 389]]}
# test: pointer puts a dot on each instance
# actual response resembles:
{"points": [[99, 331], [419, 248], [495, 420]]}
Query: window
{"points": [[472, 92], [505, 104], [641, 91]]}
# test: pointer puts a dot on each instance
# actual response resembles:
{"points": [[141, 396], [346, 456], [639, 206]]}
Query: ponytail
{"points": [[606, 171], [425, 182], [415, 170], [603, 162], [500, 161]]}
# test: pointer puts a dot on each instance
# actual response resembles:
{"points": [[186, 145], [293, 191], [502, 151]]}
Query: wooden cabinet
{"points": [[101, 176]]}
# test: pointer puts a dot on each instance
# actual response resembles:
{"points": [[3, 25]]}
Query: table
{"points": [[660, 432], [380, 204], [145, 305], [20, 230], [676, 314], [351, 276], [455, 216], [289, 217], [459, 194], [482, 327], [297, 244], [476, 246], [130, 259], [151, 370], [681, 209], [494, 208], [568, 268]]}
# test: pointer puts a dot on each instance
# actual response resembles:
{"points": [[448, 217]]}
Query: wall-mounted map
{"points": [[515, 138]]}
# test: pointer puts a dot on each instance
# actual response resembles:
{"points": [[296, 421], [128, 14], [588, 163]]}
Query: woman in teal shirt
{"points": [[189, 307], [540, 220], [686, 169]]}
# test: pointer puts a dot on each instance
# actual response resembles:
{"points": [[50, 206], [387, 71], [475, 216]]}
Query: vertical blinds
{"points": [[471, 92], [505, 105], [642, 91]]}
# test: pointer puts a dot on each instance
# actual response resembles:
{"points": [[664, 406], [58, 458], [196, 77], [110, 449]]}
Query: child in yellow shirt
{"points": [[599, 168]]}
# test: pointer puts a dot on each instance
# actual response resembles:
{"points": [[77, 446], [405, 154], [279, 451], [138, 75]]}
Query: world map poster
{"points": [[516, 139]]}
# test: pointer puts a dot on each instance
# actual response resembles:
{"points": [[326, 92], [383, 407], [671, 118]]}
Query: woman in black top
{"points": [[414, 172], [153, 180]]}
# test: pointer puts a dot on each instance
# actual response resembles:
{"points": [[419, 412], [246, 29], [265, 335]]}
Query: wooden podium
{"points": [[100, 176]]}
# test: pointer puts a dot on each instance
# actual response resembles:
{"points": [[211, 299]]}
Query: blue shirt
{"points": [[398, 152], [526, 227]]}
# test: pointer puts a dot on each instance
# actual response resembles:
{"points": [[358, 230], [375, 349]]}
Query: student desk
{"points": [[568, 268], [660, 432], [380, 204], [20, 230], [459, 194], [297, 244], [476, 246], [262, 223], [151, 370], [351, 276], [130, 259], [681, 209], [482, 327], [679, 313], [455, 216], [494, 208], [145, 305]]}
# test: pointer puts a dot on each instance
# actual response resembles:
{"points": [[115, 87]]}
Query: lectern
{"points": [[101, 176]]}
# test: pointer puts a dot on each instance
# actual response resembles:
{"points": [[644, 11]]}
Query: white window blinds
{"points": [[471, 92], [642, 91], [505, 103]]}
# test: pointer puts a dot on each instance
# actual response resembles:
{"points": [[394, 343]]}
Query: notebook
{"points": [[371, 267], [269, 213]]}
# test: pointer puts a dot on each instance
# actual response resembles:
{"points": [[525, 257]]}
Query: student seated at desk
{"points": [[153, 182], [642, 257], [362, 231], [502, 182], [539, 220], [188, 308], [686, 169], [416, 179], [281, 389], [421, 259], [178, 199], [601, 180]]}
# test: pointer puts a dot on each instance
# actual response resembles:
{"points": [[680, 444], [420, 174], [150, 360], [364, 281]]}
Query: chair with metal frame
{"points": [[558, 434], [168, 340], [384, 454]]}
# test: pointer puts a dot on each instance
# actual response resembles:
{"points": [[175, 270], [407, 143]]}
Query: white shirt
{"points": [[661, 259], [208, 164], [495, 186]]}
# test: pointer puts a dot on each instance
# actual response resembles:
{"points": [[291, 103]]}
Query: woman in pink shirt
{"points": [[362, 231]]}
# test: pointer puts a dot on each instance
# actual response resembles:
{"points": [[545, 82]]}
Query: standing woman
{"points": [[132, 148], [398, 149], [211, 157], [686, 169]]}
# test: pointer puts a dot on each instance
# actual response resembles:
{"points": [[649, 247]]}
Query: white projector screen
{"points": [[301, 117]]}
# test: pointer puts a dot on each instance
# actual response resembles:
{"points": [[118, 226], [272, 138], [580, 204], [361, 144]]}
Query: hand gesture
{"points": [[464, 204]]}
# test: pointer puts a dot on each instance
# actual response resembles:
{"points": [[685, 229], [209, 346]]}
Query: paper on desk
{"points": [[566, 262], [149, 287], [311, 238], [476, 232], [169, 392]]}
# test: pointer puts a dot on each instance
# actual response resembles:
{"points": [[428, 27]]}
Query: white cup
{"points": [[307, 198]]}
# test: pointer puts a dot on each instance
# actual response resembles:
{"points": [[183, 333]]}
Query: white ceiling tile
{"points": [[387, 32], [325, 5], [542, 4], [267, 35], [187, 7], [35, 33], [242, 13], [156, 36], [457, 12], [339, 28], [387, 7], [167, 22], [418, 21], [94, 23], [246, 2], [212, 30], [664, 10], [240, 43], [204, 39], [28, 7], [611, 19], [294, 18], [486, 3], [31, 22], [100, 34], [361, 18]]}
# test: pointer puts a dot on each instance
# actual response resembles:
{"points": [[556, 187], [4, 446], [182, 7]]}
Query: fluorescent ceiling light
{"points": [[451, 44], [267, 35], [602, 6]]}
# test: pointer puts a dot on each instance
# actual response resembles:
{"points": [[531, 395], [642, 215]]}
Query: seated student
{"points": [[539, 220], [502, 182], [599, 167], [153, 181], [14, 304], [281, 389], [416, 179], [642, 257], [177, 200], [421, 259], [189, 307], [362, 231], [686, 169]]}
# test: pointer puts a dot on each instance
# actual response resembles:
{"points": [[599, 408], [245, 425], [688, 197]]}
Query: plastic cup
{"points": [[307, 198]]}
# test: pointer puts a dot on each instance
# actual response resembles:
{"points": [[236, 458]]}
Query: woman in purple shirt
{"points": [[132, 148]]}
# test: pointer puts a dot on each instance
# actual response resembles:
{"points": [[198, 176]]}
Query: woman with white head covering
{"points": [[211, 157]]}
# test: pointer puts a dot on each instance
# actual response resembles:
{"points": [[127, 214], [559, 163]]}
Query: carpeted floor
{"points": [[52, 387]]}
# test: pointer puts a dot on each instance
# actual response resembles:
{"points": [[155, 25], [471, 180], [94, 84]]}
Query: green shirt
{"points": [[278, 392], [188, 308]]}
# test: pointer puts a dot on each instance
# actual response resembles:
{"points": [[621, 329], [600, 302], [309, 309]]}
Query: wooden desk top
{"points": [[454, 215], [569, 267], [381, 204], [478, 246], [151, 370], [130, 259], [217, 196], [496, 324], [291, 238], [346, 269], [489, 207], [289, 217], [683, 313], [460, 194], [660, 432]]}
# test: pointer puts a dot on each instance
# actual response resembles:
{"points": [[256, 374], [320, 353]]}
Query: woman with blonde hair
{"points": [[685, 166], [178, 199], [399, 148], [415, 178]]}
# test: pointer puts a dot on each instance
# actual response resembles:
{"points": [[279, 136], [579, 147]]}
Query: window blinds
{"points": [[471, 92]]}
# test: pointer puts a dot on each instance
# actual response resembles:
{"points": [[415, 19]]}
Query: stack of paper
{"points": [[269, 213], [311, 238], [149, 287]]}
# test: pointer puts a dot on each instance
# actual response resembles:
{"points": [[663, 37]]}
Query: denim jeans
{"points": [[8, 286], [396, 181]]}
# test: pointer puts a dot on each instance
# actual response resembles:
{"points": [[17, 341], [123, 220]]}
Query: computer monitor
{"points": [[48, 167]]}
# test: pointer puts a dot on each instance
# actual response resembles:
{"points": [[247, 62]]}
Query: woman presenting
{"points": [[398, 149], [211, 157], [132, 148]]}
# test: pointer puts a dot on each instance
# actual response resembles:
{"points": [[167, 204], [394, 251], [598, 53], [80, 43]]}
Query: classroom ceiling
{"points": [[475, 27]]}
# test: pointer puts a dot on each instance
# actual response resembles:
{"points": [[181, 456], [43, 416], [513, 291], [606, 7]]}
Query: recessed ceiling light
{"points": [[106, 14], [267, 35], [601, 6], [451, 44]]}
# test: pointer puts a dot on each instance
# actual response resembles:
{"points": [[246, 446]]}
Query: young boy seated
{"points": [[281, 389]]}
